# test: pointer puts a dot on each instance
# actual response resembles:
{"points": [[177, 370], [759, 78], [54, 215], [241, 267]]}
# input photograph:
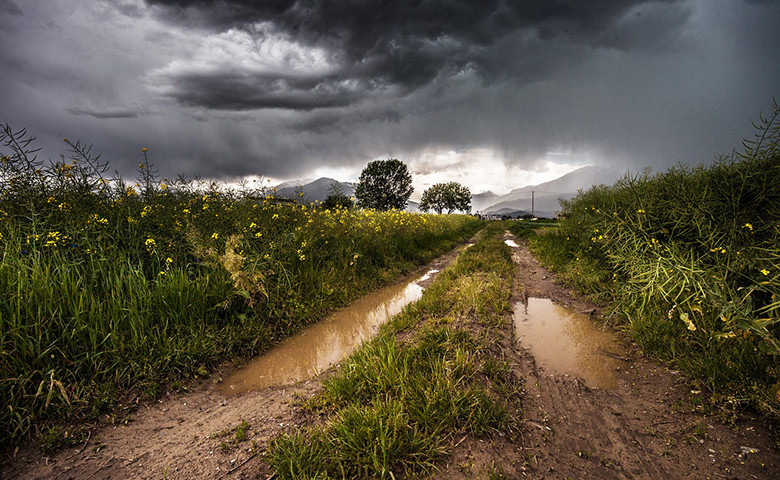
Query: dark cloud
{"points": [[249, 92], [110, 113], [284, 88], [402, 44], [8, 7]]}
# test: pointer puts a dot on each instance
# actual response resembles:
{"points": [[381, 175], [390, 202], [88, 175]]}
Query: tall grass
{"points": [[107, 286], [396, 407], [690, 258]]}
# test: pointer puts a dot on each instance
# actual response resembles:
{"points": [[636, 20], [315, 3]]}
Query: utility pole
{"points": [[532, 204]]}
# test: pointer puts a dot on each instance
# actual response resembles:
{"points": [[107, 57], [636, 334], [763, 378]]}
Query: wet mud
{"points": [[566, 342], [319, 347]]}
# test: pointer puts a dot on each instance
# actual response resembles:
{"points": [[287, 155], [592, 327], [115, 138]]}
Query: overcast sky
{"points": [[492, 93]]}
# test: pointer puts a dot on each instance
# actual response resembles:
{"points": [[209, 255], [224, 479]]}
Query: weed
{"points": [[670, 444], [497, 472], [241, 431]]}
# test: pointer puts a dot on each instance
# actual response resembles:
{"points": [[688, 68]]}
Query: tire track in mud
{"points": [[643, 429]]}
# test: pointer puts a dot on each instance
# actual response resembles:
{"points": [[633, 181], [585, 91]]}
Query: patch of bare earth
{"points": [[651, 426], [184, 435]]}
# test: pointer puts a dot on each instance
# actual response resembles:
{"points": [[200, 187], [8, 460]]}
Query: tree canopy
{"points": [[384, 184], [450, 196], [337, 198]]}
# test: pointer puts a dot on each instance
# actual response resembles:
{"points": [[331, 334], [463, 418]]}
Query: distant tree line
{"points": [[387, 184]]}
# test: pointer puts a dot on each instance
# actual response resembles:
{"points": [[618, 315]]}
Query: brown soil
{"points": [[649, 427]]}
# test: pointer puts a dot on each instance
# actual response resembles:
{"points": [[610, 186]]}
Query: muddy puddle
{"points": [[568, 343], [326, 343]]}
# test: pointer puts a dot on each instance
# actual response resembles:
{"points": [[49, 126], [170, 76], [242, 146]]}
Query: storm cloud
{"points": [[299, 88], [338, 54]]}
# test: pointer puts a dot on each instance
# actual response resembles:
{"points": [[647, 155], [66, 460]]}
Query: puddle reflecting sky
{"points": [[564, 342], [325, 343]]}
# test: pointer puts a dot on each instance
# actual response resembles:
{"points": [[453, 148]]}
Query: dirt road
{"points": [[648, 427]]}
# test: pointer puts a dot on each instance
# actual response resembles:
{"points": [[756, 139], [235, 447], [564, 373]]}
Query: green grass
{"points": [[689, 260], [395, 407], [107, 287]]}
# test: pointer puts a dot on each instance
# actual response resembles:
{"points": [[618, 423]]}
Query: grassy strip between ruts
{"points": [[689, 261], [434, 372]]}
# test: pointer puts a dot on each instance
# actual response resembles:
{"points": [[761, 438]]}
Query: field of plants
{"points": [[109, 287], [689, 259]]}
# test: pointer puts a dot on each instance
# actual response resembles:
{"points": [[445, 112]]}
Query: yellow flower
{"points": [[748, 226], [215, 235], [764, 271], [169, 260], [143, 149]]}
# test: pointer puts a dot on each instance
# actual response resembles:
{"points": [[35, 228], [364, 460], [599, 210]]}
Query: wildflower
{"points": [[186, 210], [275, 216], [258, 234], [640, 211], [688, 322], [143, 149], [764, 271], [169, 260], [215, 235]]}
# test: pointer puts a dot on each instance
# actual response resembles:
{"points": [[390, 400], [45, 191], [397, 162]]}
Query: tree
{"points": [[384, 184], [450, 196], [337, 198]]}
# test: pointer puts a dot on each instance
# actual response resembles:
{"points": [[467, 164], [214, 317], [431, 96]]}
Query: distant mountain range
{"points": [[314, 191], [542, 200], [514, 204]]}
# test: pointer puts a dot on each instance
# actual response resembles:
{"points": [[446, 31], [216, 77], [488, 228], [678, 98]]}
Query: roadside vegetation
{"points": [[434, 374], [689, 261], [109, 287]]}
